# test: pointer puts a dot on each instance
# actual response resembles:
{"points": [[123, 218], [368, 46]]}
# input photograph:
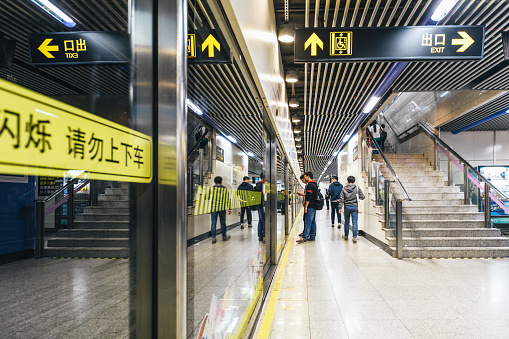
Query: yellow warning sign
{"points": [[191, 46], [44, 137], [341, 43]]}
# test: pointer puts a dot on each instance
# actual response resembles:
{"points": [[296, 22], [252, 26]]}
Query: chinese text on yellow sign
{"points": [[45, 137]]}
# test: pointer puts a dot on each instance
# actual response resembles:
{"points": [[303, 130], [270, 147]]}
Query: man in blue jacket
{"points": [[334, 193]]}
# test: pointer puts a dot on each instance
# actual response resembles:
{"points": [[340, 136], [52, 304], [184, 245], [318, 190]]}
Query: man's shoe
{"points": [[214, 240], [249, 226], [339, 225], [301, 240], [301, 234], [345, 237], [309, 239], [241, 227], [226, 237], [354, 240], [332, 225]]}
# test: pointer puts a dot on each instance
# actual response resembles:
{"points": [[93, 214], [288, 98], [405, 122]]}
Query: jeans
{"points": [[310, 230], [222, 220], [261, 228], [327, 203], [353, 211], [334, 212], [249, 216]]}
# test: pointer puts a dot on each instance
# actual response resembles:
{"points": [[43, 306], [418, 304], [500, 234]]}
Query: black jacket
{"points": [[220, 198], [244, 192], [259, 196], [311, 193]]}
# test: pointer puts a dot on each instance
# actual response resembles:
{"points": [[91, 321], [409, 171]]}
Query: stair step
{"points": [[93, 233], [123, 185], [454, 252], [87, 252], [88, 242], [426, 189], [450, 202], [466, 216], [116, 191], [435, 196], [425, 208], [101, 225], [446, 232], [407, 155], [452, 242], [443, 224], [105, 210], [113, 203], [112, 197], [102, 217]]}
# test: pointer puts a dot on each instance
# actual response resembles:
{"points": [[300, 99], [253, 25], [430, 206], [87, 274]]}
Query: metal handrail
{"points": [[407, 197], [434, 137]]}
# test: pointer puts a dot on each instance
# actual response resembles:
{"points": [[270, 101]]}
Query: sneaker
{"points": [[345, 237], [249, 226], [241, 227], [354, 240], [301, 234], [339, 225], [332, 225], [301, 240], [226, 237], [214, 240]]}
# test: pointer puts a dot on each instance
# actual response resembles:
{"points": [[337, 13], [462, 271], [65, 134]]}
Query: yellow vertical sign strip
{"points": [[198, 198]]}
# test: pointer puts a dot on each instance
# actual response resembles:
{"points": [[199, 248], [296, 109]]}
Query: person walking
{"points": [[309, 208], [348, 198], [335, 193], [245, 201], [260, 197], [375, 131], [220, 203], [327, 197]]}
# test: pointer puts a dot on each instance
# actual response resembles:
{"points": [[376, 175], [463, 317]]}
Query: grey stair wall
{"points": [[436, 223], [100, 231]]}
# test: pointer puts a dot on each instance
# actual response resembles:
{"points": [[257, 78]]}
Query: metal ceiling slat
{"points": [[355, 11], [402, 14], [414, 9], [374, 13], [382, 16], [421, 14], [345, 13], [364, 13]]}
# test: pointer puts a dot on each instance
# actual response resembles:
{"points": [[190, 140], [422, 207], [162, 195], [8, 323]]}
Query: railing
{"points": [[393, 207], [41, 212]]}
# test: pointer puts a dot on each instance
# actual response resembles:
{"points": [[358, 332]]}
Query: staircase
{"points": [[436, 224], [99, 232]]}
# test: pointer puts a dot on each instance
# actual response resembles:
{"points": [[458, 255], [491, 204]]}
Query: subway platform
{"points": [[332, 288]]}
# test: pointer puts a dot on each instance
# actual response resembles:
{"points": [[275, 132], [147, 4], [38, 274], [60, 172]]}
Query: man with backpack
{"points": [[349, 199], [335, 193], [246, 200], [310, 208]]}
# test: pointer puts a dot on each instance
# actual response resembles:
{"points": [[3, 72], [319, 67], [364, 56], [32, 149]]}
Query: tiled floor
{"points": [[336, 289], [64, 298]]}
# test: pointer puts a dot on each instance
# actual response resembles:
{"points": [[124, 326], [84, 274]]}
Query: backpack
{"points": [[383, 135], [319, 201]]}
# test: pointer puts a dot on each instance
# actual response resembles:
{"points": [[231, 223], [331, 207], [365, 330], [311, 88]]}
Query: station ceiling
{"points": [[332, 95]]}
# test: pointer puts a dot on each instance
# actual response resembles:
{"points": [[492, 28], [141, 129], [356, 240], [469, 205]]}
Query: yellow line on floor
{"points": [[274, 295]]}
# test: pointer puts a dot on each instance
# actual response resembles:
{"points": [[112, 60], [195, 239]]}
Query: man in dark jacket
{"points": [[259, 198], [304, 205], [327, 197], [245, 196], [349, 199], [309, 208], [220, 203], [334, 192]]}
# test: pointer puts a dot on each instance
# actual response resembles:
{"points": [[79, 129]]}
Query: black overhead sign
{"points": [[79, 48], [207, 46], [413, 43]]}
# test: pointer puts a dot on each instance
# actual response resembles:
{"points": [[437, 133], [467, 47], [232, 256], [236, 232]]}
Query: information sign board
{"points": [[409, 43], [207, 46]]}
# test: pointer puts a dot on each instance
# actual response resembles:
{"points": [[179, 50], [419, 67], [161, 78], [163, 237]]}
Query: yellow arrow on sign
{"points": [[46, 49], [314, 41], [210, 43], [467, 41]]}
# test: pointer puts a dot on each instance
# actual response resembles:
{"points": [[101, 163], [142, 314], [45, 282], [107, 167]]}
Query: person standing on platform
{"points": [[309, 208], [349, 199], [335, 193], [220, 203], [260, 197], [246, 199], [303, 204], [327, 197]]}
